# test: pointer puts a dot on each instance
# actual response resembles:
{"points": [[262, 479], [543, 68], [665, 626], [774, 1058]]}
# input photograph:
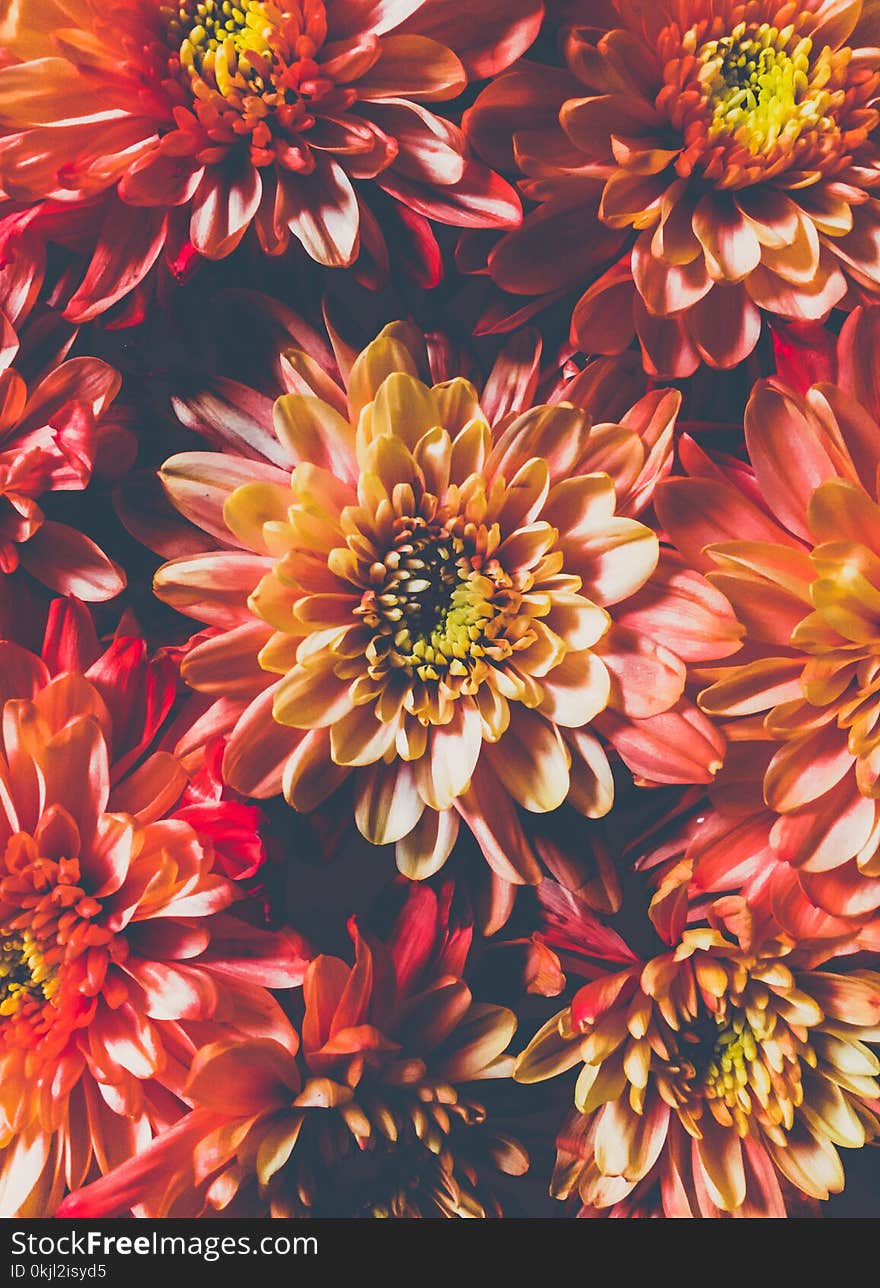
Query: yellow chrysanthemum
{"points": [[427, 601], [726, 1074]]}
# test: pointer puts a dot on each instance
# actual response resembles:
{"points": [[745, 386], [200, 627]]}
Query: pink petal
{"points": [[71, 563], [322, 213]]}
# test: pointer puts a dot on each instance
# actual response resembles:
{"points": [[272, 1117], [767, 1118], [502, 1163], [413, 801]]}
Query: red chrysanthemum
{"points": [[117, 954], [377, 1112], [720, 155], [699, 852], [793, 541], [181, 125], [50, 440]]}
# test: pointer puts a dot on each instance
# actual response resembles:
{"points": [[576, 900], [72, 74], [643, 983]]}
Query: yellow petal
{"points": [[548, 1053], [532, 762], [371, 367], [403, 406], [576, 690], [469, 450], [359, 737], [613, 563], [433, 455], [591, 790], [275, 603], [720, 1155], [457, 403], [309, 774], [312, 430], [425, 849], [585, 504], [387, 804], [311, 697], [249, 507]]}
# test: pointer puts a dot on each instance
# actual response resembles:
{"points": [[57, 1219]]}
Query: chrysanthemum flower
{"points": [[702, 852], [375, 1113], [117, 956], [793, 543], [440, 595], [726, 150], [726, 1070], [50, 438], [157, 122]]}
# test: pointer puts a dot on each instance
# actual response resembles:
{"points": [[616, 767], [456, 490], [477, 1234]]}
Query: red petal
{"points": [[128, 246]]}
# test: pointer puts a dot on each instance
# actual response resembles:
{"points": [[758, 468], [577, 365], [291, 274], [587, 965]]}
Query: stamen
{"points": [[436, 605], [204, 28], [24, 973], [762, 88]]}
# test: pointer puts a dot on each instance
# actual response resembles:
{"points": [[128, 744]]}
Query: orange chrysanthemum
{"points": [[794, 543], [726, 147], [698, 852], [379, 1111], [50, 439], [724, 1072], [441, 597], [115, 947], [182, 121]]}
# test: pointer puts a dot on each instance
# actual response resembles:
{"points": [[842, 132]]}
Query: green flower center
{"points": [[762, 89]]}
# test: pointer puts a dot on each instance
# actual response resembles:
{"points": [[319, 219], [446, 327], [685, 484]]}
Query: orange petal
{"points": [[491, 817], [212, 587], [646, 678], [806, 768]]}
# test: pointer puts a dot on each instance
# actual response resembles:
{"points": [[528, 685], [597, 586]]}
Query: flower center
{"points": [[761, 89], [439, 602], [221, 43], [745, 1062], [203, 27], [252, 58], [24, 973], [733, 1051], [47, 923]]}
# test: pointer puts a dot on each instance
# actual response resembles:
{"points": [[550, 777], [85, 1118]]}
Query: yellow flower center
{"points": [[752, 1066], [217, 36], [734, 1050], [762, 89], [24, 973], [439, 602]]}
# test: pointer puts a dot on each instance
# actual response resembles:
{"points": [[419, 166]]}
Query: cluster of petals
{"points": [[118, 955], [445, 595], [376, 1110], [793, 541], [697, 165], [147, 126], [719, 1076], [51, 437]]}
